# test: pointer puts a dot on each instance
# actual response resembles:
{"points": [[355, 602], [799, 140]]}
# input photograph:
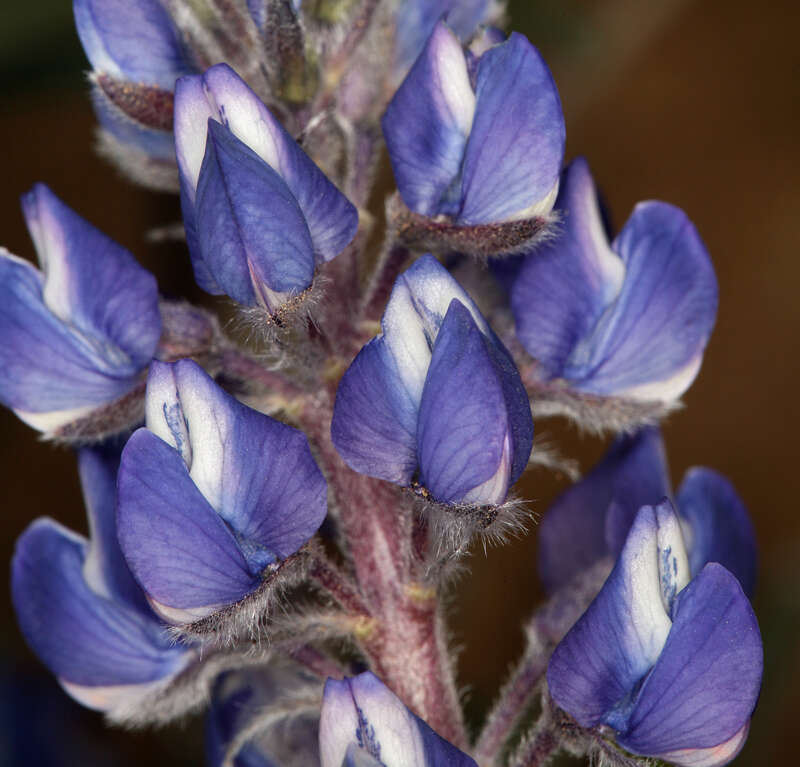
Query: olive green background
{"points": [[689, 101]]}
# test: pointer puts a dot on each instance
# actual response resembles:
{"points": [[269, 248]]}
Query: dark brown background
{"points": [[681, 100]]}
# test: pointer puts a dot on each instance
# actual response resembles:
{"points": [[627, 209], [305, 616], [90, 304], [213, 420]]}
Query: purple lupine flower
{"points": [[629, 319], [417, 18], [136, 53], [213, 495], [260, 216], [240, 698], [476, 136], [364, 724], [435, 396], [78, 334], [81, 610], [672, 664], [591, 520]]}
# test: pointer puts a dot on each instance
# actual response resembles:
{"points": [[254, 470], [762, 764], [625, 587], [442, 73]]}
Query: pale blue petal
{"points": [[513, 157], [595, 668], [179, 549], [115, 33], [252, 234], [464, 440], [704, 686], [581, 527], [667, 306], [93, 284], [255, 472], [720, 527], [427, 124], [374, 423], [85, 639], [562, 289]]}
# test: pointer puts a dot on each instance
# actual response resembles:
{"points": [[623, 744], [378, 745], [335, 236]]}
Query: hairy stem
{"points": [[406, 644]]}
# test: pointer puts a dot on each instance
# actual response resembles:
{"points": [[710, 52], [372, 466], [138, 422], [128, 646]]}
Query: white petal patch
{"points": [[708, 757], [450, 65], [649, 623]]}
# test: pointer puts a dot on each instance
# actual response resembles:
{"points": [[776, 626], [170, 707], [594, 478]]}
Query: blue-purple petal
{"points": [[114, 33], [93, 284], [513, 157], [464, 439], [591, 519], [222, 95], [43, 366], [562, 289], [179, 549], [721, 529], [255, 472], [597, 665], [417, 18], [374, 424], [704, 686], [252, 234], [105, 570], [427, 123], [362, 711], [84, 638], [667, 306]]}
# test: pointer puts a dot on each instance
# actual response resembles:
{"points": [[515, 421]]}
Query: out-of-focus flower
{"points": [[213, 496], [671, 664], [591, 519], [476, 135], [364, 724], [77, 335], [260, 216], [417, 18], [630, 319], [137, 53], [436, 396], [278, 706], [82, 612]]}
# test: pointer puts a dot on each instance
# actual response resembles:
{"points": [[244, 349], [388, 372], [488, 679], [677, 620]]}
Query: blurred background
{"points": [[680, 100]]}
